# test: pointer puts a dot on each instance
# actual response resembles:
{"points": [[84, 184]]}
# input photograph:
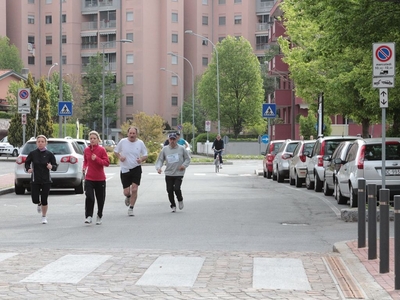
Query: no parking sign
{"points": [[24, 101]]}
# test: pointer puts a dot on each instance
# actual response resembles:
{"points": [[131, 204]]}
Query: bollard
{"points": [[361, 213], [396, 242], [371, 194], [384, 197]]}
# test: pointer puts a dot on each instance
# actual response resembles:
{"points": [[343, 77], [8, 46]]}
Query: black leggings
{"points": [[93, 188], [40, 190], [174, 186]]}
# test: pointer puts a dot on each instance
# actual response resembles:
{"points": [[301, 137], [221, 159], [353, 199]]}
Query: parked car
{"points": [[332, 168], [316, 165], [109, 143], [298, 163], [269, 155], [280, 165], [69, 157], [7, 149], [364, 160], [82, 143]]}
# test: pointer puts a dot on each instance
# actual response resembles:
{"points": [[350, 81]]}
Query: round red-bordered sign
{"points": [[24, 94], [383, 53]]}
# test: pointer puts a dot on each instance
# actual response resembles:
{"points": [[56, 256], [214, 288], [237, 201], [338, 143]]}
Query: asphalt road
{"points": [[235, 210]]}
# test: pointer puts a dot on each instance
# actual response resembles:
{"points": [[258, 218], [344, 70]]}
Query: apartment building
{"points": [[69, 32]]}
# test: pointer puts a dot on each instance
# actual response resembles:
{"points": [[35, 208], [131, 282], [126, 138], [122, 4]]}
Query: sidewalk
{"points": [[364, 271]]}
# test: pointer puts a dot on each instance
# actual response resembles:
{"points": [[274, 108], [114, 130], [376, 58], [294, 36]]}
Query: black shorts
{"points": [[133, 176]]}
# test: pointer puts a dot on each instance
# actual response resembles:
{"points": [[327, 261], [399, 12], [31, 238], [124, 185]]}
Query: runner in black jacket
{"points": [[39, 163]]}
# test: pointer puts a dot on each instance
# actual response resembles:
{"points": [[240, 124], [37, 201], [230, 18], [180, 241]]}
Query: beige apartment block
{"points": [[68, 32]]}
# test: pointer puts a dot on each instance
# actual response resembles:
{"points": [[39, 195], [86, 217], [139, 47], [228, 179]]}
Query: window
{"points": [[205, 2], [64, 18], [31, 1], [174, 80], [129, 100], [49, 40], [237, 1], [31, 19], [174, 101], [174, 17], [31, 39], [222, 21], [129, 36], [174, 122], [174, 60], [49, 60], [174, 38], [221, 2], [220, 39], [129, 58], [129, 79], [31, 60], [204, 20], [64, 60], [204, 42], [238, 20], [49, 1], [204, 61], [64, 39], [48, 19], [129, 16]]}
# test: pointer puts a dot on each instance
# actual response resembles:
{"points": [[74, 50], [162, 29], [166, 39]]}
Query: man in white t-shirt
{"points": [[131, 152]]}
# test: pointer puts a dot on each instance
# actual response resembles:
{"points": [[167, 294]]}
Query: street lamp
{"points": [[166, 70], [216, 52], [177, 55], [103, 92], [48, 74]]}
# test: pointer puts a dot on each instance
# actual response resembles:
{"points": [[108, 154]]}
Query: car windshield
{"points": [[330, 147], [374, 152], [57, 147], [291, 147], [308, 147]]}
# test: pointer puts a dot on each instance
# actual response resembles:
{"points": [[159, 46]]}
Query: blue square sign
{"points": [[269, 110], [64, 108]]}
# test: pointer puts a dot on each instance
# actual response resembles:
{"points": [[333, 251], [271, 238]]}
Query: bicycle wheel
{"points": [[216, 163]]}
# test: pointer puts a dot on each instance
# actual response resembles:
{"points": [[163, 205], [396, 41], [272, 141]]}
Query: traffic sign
{"points": [[64, 108], [383, 56], [383, 98], [383, 82], [208, 125], [265, 139], [269, 110], [24, 101]]}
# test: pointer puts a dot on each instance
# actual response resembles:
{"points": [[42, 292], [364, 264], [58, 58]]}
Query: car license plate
{"points": [[392, 172]]}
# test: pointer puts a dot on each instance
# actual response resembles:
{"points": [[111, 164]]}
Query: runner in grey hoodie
{"points": [[177, 160]]}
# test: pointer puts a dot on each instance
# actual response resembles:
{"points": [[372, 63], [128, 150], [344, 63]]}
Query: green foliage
{"points": [[5, 115], [10, 56], [71, 130], [53, 88], [241, 91], [12, 95], [308, 129]]}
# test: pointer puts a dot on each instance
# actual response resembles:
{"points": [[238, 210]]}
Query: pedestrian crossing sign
{"points": [[64, 108], [269, 110]]}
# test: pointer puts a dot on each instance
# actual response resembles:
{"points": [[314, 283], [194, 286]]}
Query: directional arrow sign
{"points": [[383, 98]]}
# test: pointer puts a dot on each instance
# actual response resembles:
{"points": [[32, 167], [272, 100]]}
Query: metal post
{"points": [[60, 133], [396, 242], [384, 196], [371, 192], [361, 213]]}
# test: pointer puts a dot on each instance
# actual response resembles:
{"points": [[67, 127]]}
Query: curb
{"points": [[6, 191]]}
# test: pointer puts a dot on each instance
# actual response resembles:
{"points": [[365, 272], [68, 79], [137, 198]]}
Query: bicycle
{"points": [[217, 161]]}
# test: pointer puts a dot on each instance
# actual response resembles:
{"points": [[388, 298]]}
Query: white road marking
{"points": [[4, 256], [172, 271]]}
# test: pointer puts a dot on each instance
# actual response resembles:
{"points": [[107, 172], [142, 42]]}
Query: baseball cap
{"points": [[172, 136]]}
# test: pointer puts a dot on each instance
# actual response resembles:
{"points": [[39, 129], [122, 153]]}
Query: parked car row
{"points": [[334, 164]]}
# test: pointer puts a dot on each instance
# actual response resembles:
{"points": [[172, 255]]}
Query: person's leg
{"points": [[170, 180], [177, 187], [45, 190], [35, 193], [100, 190], [136, 176], [134, 191], [220, 157], [89, 201]]}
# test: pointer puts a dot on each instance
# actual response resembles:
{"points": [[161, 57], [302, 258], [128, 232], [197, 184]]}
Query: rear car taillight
{"points": [[323, 148], [360, 162], [69, 159], [21, 160], [303, 158], [320, 161]]}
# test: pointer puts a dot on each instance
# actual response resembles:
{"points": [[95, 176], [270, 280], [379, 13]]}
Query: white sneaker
{"points": [[88, 220], [44, 220], [130, 212], [39, 208], [127, 201], [180, 205], [173, 209], [98, 221]]}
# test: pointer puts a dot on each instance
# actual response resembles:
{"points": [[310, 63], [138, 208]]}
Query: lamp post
{"points": [[216, 52], [177, 55], [48, 74], [180, 80], [103, 91]]}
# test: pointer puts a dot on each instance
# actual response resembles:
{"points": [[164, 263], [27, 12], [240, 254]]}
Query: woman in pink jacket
{"points": [[95, 159]]}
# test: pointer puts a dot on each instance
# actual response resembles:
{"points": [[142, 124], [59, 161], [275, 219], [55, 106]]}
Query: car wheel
{"points": [[338, 195], [298, 182], [279, 176], [309, 184], [269, 174], [19, 189], [353, 198], [15, 153], [291, 180], [274, 176], [79, 188], [317, 183], [327, 190]]}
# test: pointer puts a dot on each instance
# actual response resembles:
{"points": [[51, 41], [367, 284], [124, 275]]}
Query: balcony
{"points": [[262, 27], [276, 30], [277, 67], [107, 24], [283, 98], [89, 26]]}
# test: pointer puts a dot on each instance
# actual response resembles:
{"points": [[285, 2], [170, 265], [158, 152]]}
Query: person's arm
{"points": [[104, 159], [53, 162]]}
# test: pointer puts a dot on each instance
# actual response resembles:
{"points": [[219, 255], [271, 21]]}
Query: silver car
{"points": [[298, 164], [364, 160], [69, 157], [280, 165]]}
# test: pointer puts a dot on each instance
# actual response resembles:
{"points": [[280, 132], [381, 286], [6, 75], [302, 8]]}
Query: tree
{"points": [[44, 123], [9, 56], [93, 86], [241, 90], [12, 94], [53, 88]]}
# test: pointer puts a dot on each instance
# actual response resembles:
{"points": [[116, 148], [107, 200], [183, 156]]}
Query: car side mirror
{"points": [[327, 158], [307, 153], [339, 161], [263, 153]]}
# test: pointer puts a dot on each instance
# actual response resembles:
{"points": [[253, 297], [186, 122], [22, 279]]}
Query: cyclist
{"points": [[218, 147]]}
